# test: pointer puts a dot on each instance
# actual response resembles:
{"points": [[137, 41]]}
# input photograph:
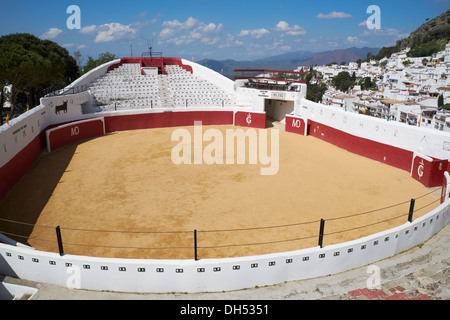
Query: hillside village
{"points": [[405, 89]]}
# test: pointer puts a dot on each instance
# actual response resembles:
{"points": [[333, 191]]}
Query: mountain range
{"points": [[290, 60], [429, 38]]}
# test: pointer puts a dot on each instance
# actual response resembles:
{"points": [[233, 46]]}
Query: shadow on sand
{"points": [[25, 201]]}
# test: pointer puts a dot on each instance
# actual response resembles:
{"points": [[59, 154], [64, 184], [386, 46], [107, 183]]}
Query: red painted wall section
{"points": [[77, 131], [152, 62], [16, 168], [387, 154], [296, 125], [167, 119], [250, 119], [428, 171], [177, 62]]}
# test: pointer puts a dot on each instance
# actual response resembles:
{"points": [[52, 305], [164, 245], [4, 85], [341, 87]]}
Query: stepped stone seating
{"points": [[189, 90], [125, 88]]}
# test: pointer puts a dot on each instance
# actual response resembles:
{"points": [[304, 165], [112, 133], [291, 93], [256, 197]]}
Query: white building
{"points": [[447, 53]]}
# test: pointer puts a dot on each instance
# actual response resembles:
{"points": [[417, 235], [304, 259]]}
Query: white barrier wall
{"points": [[66, 108], [425, 141], [161, 276], [21, 132]]}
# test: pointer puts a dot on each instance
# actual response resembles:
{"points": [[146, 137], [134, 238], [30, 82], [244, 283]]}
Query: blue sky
{"points": [[231, 29]]}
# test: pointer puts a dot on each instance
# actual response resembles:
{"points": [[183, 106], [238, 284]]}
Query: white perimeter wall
{"points": [[425, 141], [161, 276]]}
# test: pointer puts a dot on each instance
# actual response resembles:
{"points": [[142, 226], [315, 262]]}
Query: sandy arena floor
{"points": [[126, 185]]}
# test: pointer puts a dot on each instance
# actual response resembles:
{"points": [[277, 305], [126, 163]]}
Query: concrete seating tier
{"points": [[126, 88]]}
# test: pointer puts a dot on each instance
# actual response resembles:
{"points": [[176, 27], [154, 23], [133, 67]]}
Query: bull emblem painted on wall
{"points": [[61, 108]]}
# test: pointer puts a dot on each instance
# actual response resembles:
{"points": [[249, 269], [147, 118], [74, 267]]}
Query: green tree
{"points": [[102, 59], [343, 82], [407, 63], [359, 61], [33, 67], [440, 101], [315, 92], [367, 83], [369, 56], [309, 77]]}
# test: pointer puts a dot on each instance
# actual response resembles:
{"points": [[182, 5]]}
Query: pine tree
{"points": [[440, 101]]}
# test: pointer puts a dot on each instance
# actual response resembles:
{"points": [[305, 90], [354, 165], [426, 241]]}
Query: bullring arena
{"points": [[123, 207], [136, 188]]}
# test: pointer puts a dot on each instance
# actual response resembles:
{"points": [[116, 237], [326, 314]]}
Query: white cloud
{"points": [[171, 27], [51, 33], [167, 32], [334, 15], [212, 27], [210, 41], [385, 32], [196, 35], [230, 41], [180, 40], [355, 40], [142, 15], [74, 45], [113, 32], [296, 30], [282, 26], [189, 31], [363, 24], [88, 29], [256, 33]]}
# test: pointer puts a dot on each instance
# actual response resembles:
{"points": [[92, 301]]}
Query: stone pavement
{"points": [[422, 273]]}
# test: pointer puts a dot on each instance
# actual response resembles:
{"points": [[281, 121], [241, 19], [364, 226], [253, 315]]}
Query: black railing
{"points": [[197, 245], [65, 92]]}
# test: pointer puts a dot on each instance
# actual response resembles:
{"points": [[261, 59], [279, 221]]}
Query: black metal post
{"points": [[60, 244], [411, 210], [322, 228], [195, 245]]}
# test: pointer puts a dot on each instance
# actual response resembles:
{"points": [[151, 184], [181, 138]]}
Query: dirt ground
{"points": [[122, 196]]}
